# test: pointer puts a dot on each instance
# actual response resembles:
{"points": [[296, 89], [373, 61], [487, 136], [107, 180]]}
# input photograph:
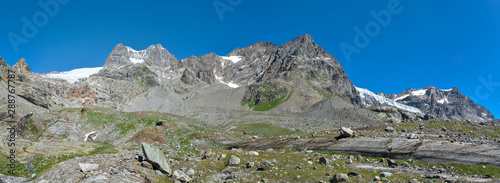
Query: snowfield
{"points": [[367, 94], [75, 75], [234, 59]]}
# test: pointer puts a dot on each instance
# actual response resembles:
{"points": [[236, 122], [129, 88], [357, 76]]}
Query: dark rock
{"points": [[353, 173], [392, 163], [324, 161]]}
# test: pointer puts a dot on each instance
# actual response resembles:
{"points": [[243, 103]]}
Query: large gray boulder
{"points": [[156, 158], [346, 132]]}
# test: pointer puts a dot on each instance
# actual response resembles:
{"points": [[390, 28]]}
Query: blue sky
{"points": [[441, 43]]}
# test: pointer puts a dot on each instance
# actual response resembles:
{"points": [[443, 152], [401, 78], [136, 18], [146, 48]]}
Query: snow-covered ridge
{"points": [[234, 59], [74, 75], [368, 95], [420, 92], [136, 56]]}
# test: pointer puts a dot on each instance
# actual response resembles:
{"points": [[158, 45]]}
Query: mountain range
{"points": [[297, 83]]}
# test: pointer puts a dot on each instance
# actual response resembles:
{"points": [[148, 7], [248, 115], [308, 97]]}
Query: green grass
{"points": [[266, 106], [263, 129]]}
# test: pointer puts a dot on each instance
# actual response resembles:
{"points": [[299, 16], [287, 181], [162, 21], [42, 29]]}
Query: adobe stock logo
{"points": [[222, 7], [486, 88], [372, 29], [39, 19]]}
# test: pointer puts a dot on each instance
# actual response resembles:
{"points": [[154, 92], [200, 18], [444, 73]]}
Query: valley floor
{"points": [[53, 148]]}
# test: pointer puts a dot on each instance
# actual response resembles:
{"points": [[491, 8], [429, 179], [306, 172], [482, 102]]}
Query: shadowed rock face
{"points": [[3, 63]]}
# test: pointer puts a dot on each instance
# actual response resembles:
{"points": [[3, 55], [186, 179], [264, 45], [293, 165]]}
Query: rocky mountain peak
{"points": [[118, 57], [430, 87], [21, 66], [3, 63]]}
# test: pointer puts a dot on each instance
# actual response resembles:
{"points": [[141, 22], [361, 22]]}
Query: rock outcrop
{"points": [[21, 66]]}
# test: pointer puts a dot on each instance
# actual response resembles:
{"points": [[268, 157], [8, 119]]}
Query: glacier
{"points": [[366, 94]]}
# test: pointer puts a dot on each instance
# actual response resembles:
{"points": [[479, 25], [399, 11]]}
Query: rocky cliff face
{"points": [[444, 104]]}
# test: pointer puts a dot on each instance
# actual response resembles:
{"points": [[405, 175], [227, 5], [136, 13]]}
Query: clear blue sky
{"points": [[442, 43]]}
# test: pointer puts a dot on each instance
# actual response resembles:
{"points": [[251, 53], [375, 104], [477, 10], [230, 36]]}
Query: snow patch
{"points": [[448, 89], [136, 57], [234, 59], [74, 75], [442, 101], [402, 97], [367, 94], [230, 84], [419, 92]]}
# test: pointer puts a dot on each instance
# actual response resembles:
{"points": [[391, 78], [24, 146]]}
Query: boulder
{"points": [[156, 158], [353, 173], [339, 178], [385, 174], [233, 160], [181, 176], [253, 153], [389, 129], [345, 132], [86, 167], [392, 163]]}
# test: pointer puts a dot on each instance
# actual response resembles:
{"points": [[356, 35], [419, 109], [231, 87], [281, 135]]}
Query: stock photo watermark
{"points": [[362, 38], [50, 8], [223, 6], [485, 88]]}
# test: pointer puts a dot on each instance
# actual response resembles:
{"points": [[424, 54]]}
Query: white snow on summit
{"points": [[419, 92], [368, 95], [75, 75], [234, 59], [136, 57]]}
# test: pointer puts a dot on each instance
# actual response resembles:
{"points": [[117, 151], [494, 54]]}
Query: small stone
{"points": [[233, 160], [270, 150], [441, 170], [392, 163], [349, 161], [298, 176], [443, 129], [147, 165], [389, 129], [309, 151], [324, 161], [113, 171], [413, 181], [309, 162], [432, 176], [181, 176], [190, 172], [404, 130], [85, 167], [385, 174], [158, 172], [376, 178], [359, 157], [250, 164], [253, 153], [353, 173]]}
